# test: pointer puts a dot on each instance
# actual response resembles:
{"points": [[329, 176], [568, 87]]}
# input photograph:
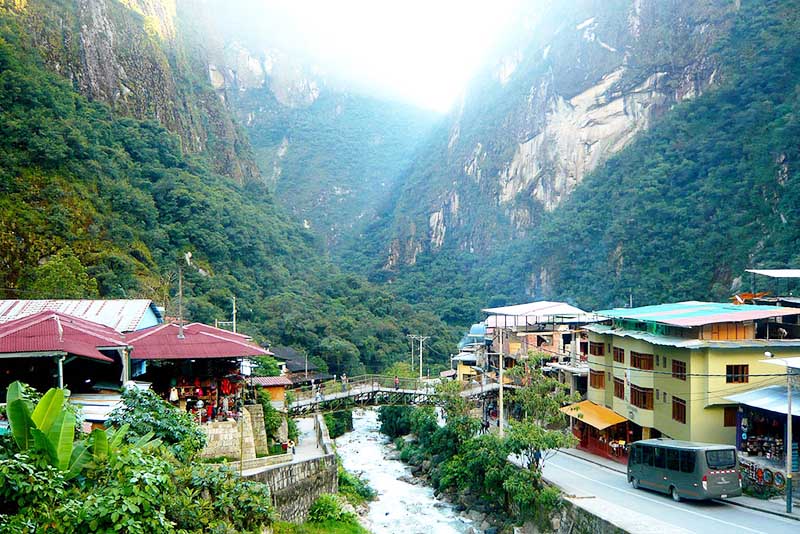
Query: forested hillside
{"points": [[95, 203], [707, 189]]}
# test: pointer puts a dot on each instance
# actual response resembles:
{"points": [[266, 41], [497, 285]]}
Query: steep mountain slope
{"points": [[330, 152], [672, 122], [90, 193]]}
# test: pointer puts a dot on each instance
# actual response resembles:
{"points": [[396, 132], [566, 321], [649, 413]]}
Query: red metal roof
{"points": [[54, 332], [269, 381], [199, 341]]}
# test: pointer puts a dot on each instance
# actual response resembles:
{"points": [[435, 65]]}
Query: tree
{"points": [[542, 425], [266, 366], [62, 276]]}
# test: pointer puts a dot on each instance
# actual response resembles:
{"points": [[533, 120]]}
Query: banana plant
{"points": [[46, 427]]}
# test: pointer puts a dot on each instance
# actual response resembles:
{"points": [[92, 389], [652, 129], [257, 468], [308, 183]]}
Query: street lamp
{"points": [[788, 432]]}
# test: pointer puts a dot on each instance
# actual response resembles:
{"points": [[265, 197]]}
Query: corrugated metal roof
{"points": [[269, 381], [532, 313], [55, 332], [680, 342], [199, 341], [695, 313], [593, 414], [776, 273], [123, 315], [772, 398]]}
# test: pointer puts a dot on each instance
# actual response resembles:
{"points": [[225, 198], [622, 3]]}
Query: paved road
{"points": [[608, 494]]}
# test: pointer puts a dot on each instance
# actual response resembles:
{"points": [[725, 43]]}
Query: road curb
{"points": [[579, 457], [735, 503], [757, 509]]}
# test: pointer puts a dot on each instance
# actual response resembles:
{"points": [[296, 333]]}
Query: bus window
{"points": [[659, 458], [724, 459], [636, 455], [672, 460], [647, 455], [687, 461]]}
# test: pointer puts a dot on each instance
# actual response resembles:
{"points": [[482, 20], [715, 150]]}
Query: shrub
{"points": [[354, 488], [146, 412], [338, 423], [329, 508]]}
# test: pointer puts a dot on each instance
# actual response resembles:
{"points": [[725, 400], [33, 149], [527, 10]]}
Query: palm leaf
{"points": [[48, 409], [61, 435], [19, 419], [115, 436], [100, 445], [45, 445], [80, 456]]}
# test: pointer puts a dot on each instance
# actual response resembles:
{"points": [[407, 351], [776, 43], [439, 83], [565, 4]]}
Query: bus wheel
{"points": [[674, 493], [635, 483]]}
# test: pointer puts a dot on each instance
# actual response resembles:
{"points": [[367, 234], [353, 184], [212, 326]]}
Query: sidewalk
{"points": [[775, 506]]}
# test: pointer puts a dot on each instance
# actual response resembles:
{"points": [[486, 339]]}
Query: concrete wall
{"points": [[256, 413]]}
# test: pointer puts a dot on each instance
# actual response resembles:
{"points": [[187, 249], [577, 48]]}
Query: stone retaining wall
{"points": [[296, 485]]}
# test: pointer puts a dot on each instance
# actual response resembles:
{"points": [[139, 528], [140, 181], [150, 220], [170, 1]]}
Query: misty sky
{"points": [[422, 51]]}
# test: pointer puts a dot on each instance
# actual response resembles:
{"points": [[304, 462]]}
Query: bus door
{"points": [[659, 477]]}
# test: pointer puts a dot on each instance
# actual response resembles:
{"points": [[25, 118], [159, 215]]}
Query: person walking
{"points": [[537, 458], [396, 382], [344, 382], [292, 445]]}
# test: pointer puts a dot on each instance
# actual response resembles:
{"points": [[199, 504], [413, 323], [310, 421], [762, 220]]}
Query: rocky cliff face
{"points": [[145, 58], [575, 88]]}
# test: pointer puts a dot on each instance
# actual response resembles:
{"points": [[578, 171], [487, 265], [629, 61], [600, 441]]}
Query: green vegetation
{"points": [[144, 413], [100, 483], [465, 462], [94, 203], [326, 527], [339, 422]]}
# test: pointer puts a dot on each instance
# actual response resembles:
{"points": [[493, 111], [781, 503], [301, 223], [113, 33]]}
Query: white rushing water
{"points": [[401, 507]]}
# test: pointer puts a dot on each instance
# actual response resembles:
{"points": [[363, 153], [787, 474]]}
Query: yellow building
{"points": [[668, 368]]}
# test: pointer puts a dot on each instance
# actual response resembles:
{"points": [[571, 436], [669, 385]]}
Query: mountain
{"points": [[614, 150], [117, 156], [330, 152]]}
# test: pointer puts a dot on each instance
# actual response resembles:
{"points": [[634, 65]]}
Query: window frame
{"points": [[594, 380], [619, 387], [619, 354], [737, 373], [676, 369], [642, 397], [643, 361], [597, 348], [678, 410]]}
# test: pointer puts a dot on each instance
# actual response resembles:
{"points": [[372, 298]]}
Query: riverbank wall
{"points": [[296, 485]]}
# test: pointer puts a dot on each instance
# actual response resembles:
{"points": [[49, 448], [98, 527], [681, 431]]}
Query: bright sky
{"points": [[423, 51]]}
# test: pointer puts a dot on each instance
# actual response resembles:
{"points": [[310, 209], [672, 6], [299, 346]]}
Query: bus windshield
{"points": [[724, 459]]}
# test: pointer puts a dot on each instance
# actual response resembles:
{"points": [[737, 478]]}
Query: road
{"points": [[607, 493]]}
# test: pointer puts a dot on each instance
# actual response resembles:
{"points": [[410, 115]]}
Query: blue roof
{"points": [[694, 313]]}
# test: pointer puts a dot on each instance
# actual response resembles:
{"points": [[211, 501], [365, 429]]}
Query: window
{"points": [[619, 388], [687, 461], [636, 455], [619, 355], [730, 416], [673, 459], [723, 459], [737, 374], [597, 379], [642, 397], [679, 370], [642, 361], [647, 455], [657, 360], [659, 458], [658, 395], [664, 360], [679, 410], [597, 349]]}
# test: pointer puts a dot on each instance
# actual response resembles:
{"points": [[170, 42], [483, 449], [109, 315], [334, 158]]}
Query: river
{"points": [[400, 505]]}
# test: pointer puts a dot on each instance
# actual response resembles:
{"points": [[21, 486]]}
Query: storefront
{"points": [[197, 368], [599, 430], [761, 434]]}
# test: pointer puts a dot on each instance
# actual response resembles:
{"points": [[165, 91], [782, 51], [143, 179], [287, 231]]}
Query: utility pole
{"points": [[412, 337], [180, 302], [421, 342], [501, 430], [234, 314]]}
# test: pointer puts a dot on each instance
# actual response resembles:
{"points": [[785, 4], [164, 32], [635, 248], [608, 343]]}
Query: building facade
{"points": [[667, 369]]}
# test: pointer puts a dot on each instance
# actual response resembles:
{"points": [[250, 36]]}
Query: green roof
{"points": [[695, 313]]}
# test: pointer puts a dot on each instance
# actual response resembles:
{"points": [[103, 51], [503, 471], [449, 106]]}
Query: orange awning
{"points": [[593, 414]]}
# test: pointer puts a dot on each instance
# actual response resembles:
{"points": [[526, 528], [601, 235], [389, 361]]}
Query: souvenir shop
{"points": [[212, 389]]}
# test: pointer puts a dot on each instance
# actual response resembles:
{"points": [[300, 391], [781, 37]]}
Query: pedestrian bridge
{"points": [[376, 390]]}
